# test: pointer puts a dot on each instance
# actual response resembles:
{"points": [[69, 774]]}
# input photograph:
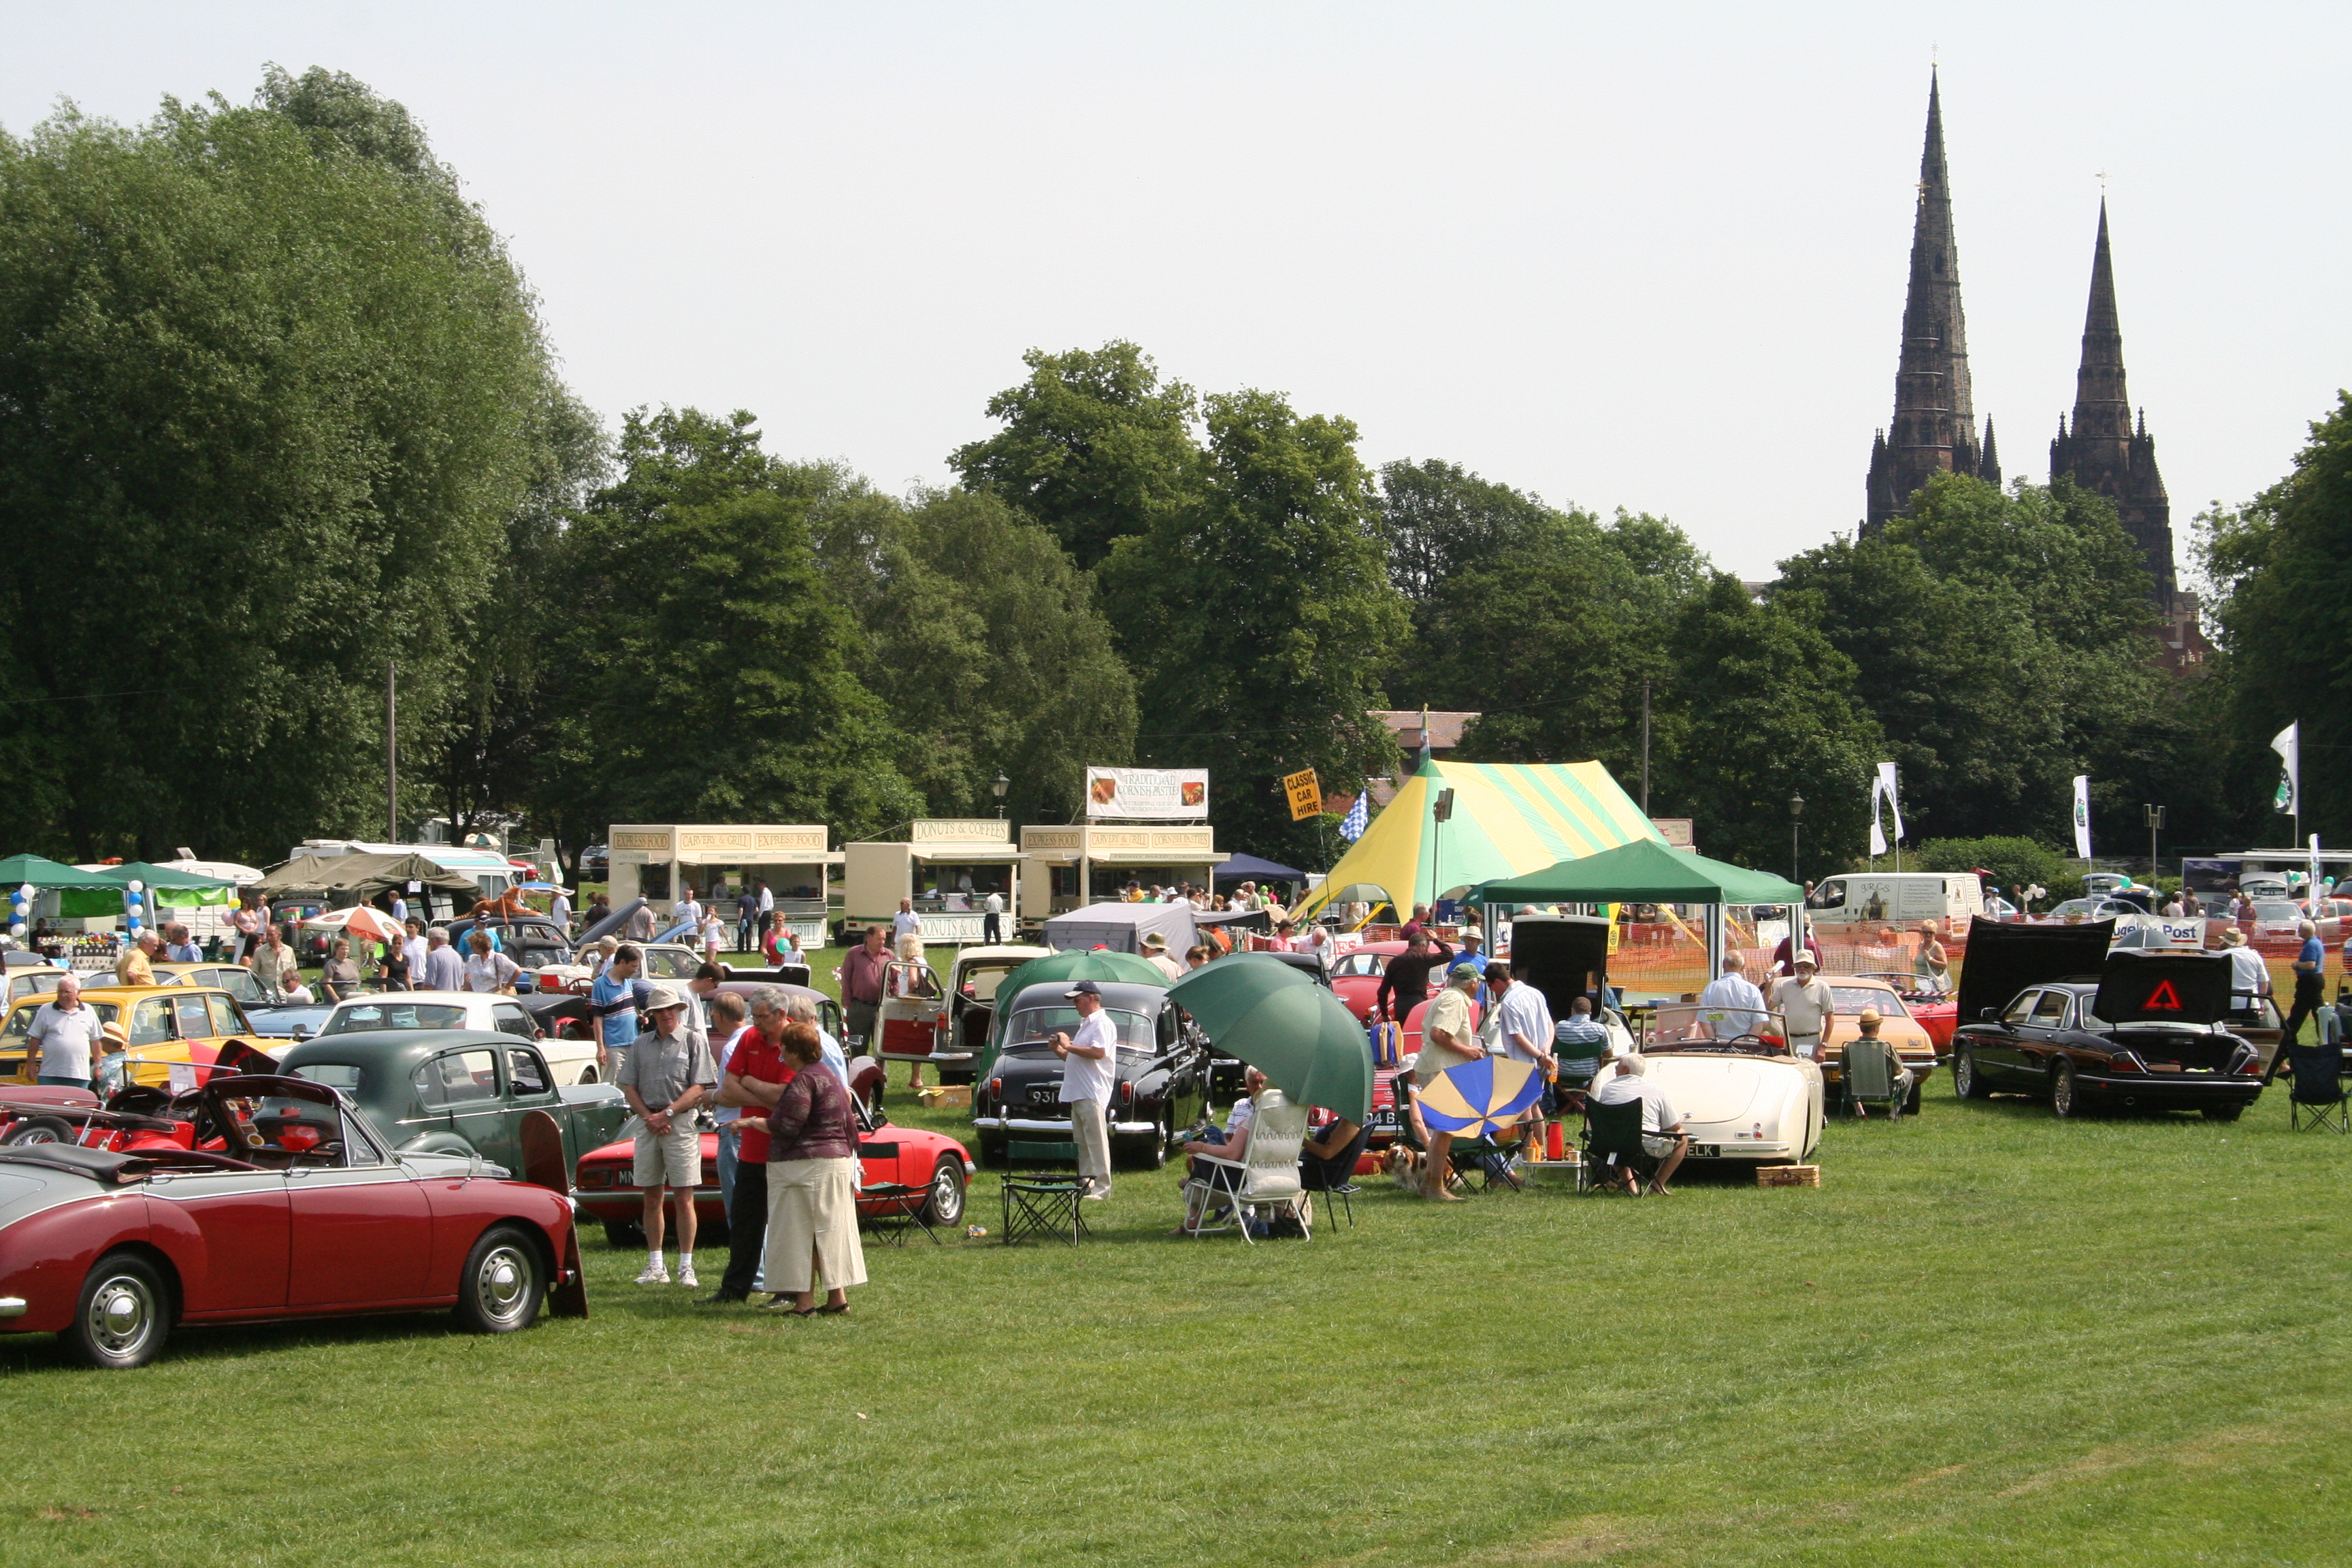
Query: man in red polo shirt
{"points": [[756, 1075]]}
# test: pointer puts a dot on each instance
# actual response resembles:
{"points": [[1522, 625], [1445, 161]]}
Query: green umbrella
{"points": [[1255, 1006], [18, 870], [1097, 964]]}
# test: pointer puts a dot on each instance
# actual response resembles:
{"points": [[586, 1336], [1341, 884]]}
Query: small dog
{"points": [[1404, 1166]]}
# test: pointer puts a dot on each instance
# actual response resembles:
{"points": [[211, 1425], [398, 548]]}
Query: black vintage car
{"points": [[2083, 1027], [1161, 1077], [531, 942]]}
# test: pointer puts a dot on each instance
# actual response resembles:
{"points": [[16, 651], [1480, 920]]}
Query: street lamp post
{"points": [[2155, 821], [999, 789], [1796, 831]]}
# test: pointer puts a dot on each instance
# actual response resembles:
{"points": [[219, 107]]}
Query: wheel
{"points": [[1911, 1105], [1967, 1083], [1163, 1134], [588, 1074], [623, 1233], [2065, 1099], [945, 1206], [2229, 1112], [503, 1283], [125, 1314], [38, 1129]]}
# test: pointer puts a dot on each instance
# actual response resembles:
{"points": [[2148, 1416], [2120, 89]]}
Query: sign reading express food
{"points": [[1150, 795]]}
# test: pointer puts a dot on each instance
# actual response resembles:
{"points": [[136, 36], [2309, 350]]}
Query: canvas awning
{"points": [[1644, 872], [18, 870], [1250, 868], [363, 875], [1509, 818]]}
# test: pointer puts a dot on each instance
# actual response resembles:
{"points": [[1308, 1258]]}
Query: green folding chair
{"points": [[1039, 1202], [1872, 1074]]}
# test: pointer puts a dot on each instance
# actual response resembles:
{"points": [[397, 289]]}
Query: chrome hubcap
{"points": [[505, 1283], [120, 1315], [949, 1201]]}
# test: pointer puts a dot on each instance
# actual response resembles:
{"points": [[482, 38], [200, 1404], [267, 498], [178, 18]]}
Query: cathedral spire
{"points": [[1934, 428], [2102, 452]]}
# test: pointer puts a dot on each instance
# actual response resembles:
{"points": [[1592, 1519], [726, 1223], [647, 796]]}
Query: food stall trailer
{"points": [[948, 866], [1088, 863], [654, 861]]}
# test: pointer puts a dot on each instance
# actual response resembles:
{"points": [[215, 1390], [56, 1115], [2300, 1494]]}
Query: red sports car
{"points": [[1938, 1013], [932, 1164], [257, 1198]]}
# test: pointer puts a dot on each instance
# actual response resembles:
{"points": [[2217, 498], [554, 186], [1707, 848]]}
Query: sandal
{"points": [[840, 1311]]}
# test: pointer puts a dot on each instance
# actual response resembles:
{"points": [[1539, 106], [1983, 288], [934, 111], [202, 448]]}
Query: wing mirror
{"points": [[1986, 1014]]}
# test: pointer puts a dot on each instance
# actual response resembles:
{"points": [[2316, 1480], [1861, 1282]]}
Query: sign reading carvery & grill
{"points": [[1154, 795]]}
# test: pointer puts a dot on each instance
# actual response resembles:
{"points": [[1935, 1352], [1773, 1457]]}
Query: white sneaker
{"points": [[685, 1276], [655, 1274]]}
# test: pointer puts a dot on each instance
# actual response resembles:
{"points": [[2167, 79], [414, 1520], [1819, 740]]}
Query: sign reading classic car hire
{"points": [[1305, 795], [1149, 795]]}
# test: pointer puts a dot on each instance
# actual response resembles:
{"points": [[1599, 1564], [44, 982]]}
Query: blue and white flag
{"points": [[1359, 817]]}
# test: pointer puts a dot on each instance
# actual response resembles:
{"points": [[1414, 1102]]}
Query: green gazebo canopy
{"points": [[18, 870], [1643, 872]]}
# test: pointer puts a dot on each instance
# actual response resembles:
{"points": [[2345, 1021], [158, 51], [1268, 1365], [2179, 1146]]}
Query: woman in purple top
{"points": [[811, 1185]]}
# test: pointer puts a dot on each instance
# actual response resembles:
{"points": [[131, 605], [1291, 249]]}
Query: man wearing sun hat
{"points": [[1155, 954], [1089, 1054], [665, 1077], [1804, 1000]]}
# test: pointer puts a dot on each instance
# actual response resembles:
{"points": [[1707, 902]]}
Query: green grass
{"points": [[1989, 1338]]}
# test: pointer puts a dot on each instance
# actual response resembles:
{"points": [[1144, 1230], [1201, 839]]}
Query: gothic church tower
{"points": [[1935, 412], [2103, 452]]}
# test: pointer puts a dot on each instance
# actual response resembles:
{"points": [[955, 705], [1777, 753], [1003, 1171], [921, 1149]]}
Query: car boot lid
{"points": [[2163, 989]]}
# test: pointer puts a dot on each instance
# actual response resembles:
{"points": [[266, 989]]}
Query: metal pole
{"points": [[1645, 748], [391, 752]]}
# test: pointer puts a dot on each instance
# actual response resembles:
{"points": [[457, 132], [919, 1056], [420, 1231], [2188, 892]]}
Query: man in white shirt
{"points": [[1518, 1026], [65, 1037], [559, 910], [415, 950], [903, 924], [1804, 999], [1731, 1005], [993, 927], [2250, 977], [1661, 1124], [1089, 1057], [687, 912], [1155, 954]]}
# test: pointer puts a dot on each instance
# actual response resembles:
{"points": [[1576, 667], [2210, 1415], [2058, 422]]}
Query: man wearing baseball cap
{"points": [[665, 1077], [1804, 1000], [1086, 1085]]}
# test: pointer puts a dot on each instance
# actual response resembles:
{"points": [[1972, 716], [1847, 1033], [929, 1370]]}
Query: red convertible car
{"points": [[258, 1198], [907, 1169]]}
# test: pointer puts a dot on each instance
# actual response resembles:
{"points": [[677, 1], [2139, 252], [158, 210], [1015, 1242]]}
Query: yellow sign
{"points": [[1305, 795]]}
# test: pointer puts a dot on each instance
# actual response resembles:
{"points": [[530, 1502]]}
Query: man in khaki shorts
{"points": [[1805, 1001], [665, 1077]]}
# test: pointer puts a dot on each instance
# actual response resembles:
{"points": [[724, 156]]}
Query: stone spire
{"points": [[1989, 460], [1935, 411], [2102, 452]]}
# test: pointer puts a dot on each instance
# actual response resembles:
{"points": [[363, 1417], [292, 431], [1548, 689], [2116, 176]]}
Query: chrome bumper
{"points": [[14, 1307], [1031, 1124]]}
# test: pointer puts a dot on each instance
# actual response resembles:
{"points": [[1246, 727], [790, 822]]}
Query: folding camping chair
{"points": [[1345, 1188], [1042, 1202], [1264, 1180], [901, 1211], [2318, 1098], [1872, 1074], [1612, 1141]]}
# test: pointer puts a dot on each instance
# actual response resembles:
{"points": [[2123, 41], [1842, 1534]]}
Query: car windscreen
{"points": [[396, 1016], [980, 982], [2277, 910], [664, 964], [1031, 1023], [1852, 999]]}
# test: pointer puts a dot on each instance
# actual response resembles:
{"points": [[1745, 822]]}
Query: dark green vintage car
{"points": [[454, 1092]]}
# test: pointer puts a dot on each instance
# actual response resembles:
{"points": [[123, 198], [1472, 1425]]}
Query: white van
{"points": [[1895, 898]]}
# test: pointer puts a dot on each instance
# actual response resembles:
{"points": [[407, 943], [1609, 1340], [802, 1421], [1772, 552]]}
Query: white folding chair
{"points": [[1263, 1181]]}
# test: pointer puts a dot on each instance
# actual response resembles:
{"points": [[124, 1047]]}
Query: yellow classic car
{"points": [[200, 1027]]}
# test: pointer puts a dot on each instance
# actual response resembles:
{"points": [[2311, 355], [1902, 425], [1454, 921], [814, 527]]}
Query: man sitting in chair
{"points": [[1661, 1124], [1871, 1023]]}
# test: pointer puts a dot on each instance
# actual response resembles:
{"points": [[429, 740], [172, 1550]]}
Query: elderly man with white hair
{"points": [[1661, 1124], [1731, 1005]]}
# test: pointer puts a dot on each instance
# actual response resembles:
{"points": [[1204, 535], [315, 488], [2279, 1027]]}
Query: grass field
{"points": [[1989, 1338]]}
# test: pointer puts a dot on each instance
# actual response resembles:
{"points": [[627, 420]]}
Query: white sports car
{"points": [[1741, 1098]]}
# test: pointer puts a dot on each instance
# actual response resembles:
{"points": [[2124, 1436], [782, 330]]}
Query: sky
{"points": [[1646, 257]]}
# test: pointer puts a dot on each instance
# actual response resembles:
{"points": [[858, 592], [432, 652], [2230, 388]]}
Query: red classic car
{"points": [[1938, 1013], [257, 1198], [934, 1165], [1355, 978]]}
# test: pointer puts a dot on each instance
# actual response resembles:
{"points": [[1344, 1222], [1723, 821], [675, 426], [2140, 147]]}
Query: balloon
{"points": [[17, 929]]}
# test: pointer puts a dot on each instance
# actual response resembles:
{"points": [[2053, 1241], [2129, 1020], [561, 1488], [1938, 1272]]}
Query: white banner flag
{"points": [[2288, 744], [2082, 816], [2315, 874], [1881, 787]]}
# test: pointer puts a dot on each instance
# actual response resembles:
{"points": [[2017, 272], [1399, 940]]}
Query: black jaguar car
{"points": [[2082, 1027], [1159, 1079]]}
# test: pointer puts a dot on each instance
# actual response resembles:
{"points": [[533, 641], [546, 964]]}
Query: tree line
{"points": [[276, 410]]}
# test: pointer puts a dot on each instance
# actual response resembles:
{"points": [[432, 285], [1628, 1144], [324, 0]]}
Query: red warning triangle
{"points": [[2163, 999]]}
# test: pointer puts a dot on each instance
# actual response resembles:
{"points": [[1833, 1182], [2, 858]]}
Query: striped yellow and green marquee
{"points": [[1509, 818]]}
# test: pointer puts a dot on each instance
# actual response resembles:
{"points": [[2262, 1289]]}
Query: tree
{"points": [[716, 679], [268, 390], [1768, 713], [1093, 447], [2000, 641], [2282, 570], [1257, 617], [984, 641], [2014, 861]]}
